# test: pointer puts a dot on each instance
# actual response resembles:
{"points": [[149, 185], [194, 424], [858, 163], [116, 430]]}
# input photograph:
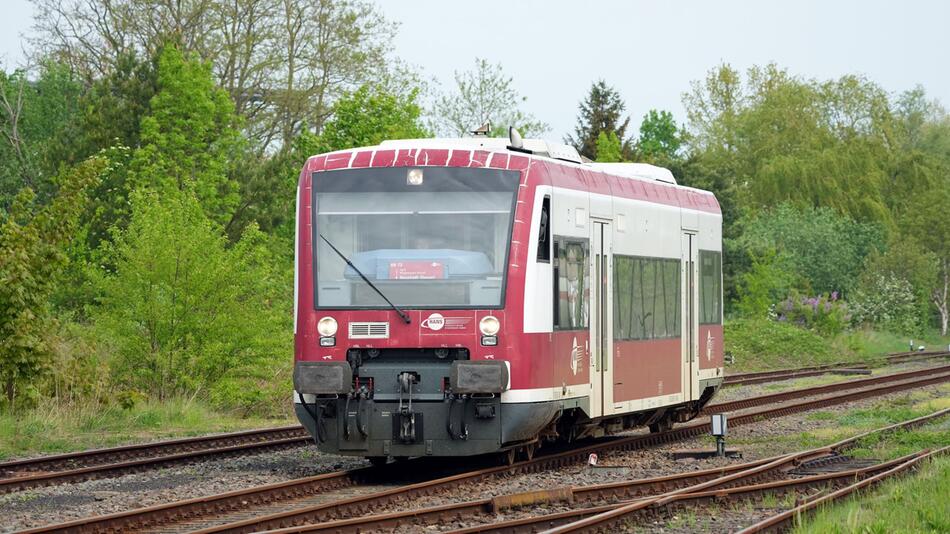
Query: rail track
{"points": [[759, 377], [117, 461], [627, 497], [316, 499], [114, 461]]}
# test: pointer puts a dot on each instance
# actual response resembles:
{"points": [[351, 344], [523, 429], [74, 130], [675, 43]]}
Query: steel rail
{"points": [[819, 390], [780, 520], [603, 520], [222, 503], [106, 470], [649, 505]]}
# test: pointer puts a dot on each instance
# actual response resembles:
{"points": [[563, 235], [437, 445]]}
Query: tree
{"points": [[608, 147], [37, 121], [482, 95], [928, 221], [370, 115], [182, 309], [660, 139], [283, 62], [32, 253], [189, 136], [600, 112], [824, 249], [894, 289]]}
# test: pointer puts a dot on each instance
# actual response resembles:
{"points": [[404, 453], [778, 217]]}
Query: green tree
{"points": [[37, 122], [370, 115], [183, 310], [826, 250], [660, 139], [32, 253], [928, 221], [601, 111], [189, 136], [609, 149], [485, 94], [905, 263]]}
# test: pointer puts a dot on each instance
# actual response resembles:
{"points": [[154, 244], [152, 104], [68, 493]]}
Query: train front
{"points": [[400, 320]]}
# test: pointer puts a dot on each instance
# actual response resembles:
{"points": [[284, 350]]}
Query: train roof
{"points": [[539, 148]]}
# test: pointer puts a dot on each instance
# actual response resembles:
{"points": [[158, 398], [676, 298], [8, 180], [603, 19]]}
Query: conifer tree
{"points": [[601, 111]]}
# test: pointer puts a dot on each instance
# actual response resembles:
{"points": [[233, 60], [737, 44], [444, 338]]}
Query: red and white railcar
{"points": [[464, 296]]}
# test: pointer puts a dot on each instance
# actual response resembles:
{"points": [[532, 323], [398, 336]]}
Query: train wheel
{"points": [[527, 452], [378, 461], [663, 425]]}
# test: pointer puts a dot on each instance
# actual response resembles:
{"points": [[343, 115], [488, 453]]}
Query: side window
{"points": [[544, 231], [571, 284], [710, 287], [646, 298]]}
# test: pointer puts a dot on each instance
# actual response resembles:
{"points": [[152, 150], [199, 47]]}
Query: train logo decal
{"points": [[434, 322], [576, 354], [437, 321], [709, 346]]}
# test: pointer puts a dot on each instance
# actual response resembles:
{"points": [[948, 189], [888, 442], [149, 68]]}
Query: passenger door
{"points": [[601, 319], [690, 321]]}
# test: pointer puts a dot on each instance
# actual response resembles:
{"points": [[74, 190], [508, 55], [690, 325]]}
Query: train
{"points": [[458, 297]]}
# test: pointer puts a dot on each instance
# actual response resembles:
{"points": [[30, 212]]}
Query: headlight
{"points": [[326, 326], [489, 325]]}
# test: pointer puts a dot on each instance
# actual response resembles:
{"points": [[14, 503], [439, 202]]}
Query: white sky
{"points": [[649, 51]]}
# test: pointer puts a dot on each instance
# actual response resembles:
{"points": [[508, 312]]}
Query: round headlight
{"points": [[326, 326], [489, 325]]}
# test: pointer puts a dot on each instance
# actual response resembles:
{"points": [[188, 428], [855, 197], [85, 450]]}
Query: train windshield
{"points": [[427, 237]]}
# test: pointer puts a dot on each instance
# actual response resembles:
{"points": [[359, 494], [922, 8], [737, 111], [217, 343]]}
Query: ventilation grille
{"points": [[369, 330]]}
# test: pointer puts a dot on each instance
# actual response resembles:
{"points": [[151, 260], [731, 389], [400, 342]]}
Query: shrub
{"points": [[887, 301], [182, 310], [826, 315]]}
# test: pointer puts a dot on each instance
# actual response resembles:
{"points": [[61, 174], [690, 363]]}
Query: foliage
{"points": [[37, 117], [767, 281], [600, 112], [764, 344], [608, 147], [887, 301], [370, 115], [182, 311], [282, 62], [660, 139], [927, 220], [32, 243], [825, 249], [826, 315], [188, 136], [485, 94]]}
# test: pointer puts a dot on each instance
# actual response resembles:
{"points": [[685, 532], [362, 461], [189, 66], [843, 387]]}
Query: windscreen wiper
{"points": [[402, 315]]}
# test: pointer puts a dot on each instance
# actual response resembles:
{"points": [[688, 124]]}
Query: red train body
{"points": [[543, 298]]}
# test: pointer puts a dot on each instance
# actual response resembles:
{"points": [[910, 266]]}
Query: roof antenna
{"points": [[515, 137], [482, 130], [517, 144]]}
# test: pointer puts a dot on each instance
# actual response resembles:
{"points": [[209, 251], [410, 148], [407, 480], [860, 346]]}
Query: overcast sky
{"points": [[649, 51]]}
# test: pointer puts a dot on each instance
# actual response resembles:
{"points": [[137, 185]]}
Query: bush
{"points": [[887, 301], [183, 312], [826, 315], [762, 344], [768, 280]]}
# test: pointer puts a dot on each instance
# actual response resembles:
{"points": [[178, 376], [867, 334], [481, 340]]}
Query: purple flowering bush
{"points": [[824, 314]]}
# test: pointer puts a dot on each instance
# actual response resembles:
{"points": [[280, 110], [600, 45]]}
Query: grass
{"points": [[759, 344], [53, 429], [917, 502]]}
